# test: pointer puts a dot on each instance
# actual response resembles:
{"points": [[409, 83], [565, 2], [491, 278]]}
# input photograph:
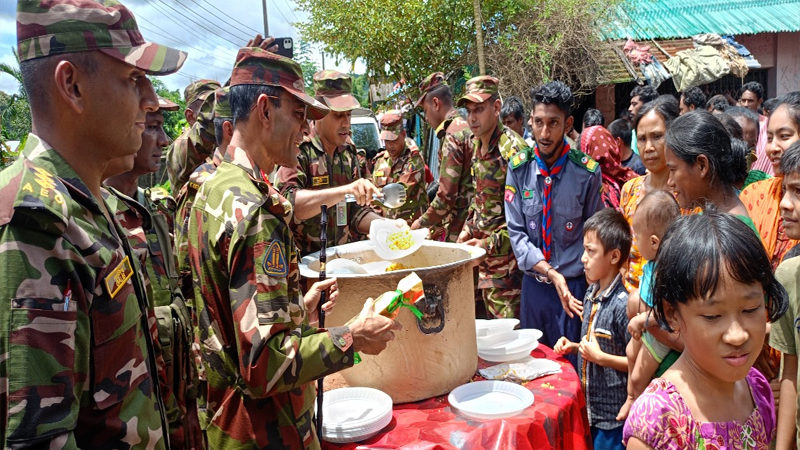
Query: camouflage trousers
{"points": [[501, 303]]}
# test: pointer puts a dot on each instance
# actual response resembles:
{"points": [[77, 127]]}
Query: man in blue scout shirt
{"points": [[551, 190]]}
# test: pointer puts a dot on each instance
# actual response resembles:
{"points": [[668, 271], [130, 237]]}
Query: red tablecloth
{"points": [[556, 420]]}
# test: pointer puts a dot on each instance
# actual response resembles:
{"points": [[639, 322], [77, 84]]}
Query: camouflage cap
{"points": [[222, 103], [167, 105], [479, 89], [199, 90], [392, 125], [336, 90], [257, 66], [429, 83], [54, 27]]}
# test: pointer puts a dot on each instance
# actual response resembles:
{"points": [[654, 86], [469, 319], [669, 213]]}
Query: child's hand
{"points": [[636, 325], [590, 349], [564, 346]]}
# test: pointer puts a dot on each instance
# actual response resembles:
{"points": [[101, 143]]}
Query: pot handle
{"points": [[432, 307]]}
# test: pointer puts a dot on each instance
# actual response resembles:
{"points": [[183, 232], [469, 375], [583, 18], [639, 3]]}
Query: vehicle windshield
{"points": [[365, 136]]}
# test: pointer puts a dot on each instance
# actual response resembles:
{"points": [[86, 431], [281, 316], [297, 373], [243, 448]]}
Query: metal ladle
{"points": [[393, 196]]}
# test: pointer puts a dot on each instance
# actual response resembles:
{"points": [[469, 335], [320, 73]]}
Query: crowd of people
{"points": [[656, 254]]}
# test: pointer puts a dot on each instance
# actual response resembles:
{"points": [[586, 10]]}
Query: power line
{"points": [[195, 22], [229, 17], [187, 29], [291, 10], [201, 18], [188, 46], [279, 12], [220, 18]]}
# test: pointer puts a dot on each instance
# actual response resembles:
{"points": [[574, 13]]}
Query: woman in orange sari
{"points": [[651, 123], [762, 199]]}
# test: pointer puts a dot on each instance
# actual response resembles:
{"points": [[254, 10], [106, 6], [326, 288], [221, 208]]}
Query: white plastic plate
{"points": [[508, 343], [485, 327], [340, 266], [355, 413], [379, 231], [508, 357], [487, 400]]}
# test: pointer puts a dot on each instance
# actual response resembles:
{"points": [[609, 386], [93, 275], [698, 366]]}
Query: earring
{"points": [[674, 335]]}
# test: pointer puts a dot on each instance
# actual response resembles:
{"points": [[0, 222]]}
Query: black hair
{"points": [[625, 115], [219, 132], [730, 124], [665, 106], [38, 73], [443, 93], [790, 160], [740, 166], [512, 106], [612, 230], [553, 93], [593, 117], [696, 248], [792, 103], [769, 106], [739, 111], [659, 209], [754, 87], [718, 103], [646, 93], [621, 129], [243, 99], [701, 133], [694, 97]]}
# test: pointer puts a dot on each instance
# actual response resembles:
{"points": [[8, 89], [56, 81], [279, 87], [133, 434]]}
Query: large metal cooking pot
{"points": [[429, 357]]}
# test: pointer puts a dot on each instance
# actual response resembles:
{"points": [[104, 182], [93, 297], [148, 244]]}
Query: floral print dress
{"points": [[661, 419]]}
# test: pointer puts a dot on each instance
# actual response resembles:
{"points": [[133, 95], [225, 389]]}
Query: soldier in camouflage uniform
{"points": [[328, 169], [400, 163], [79, 365], [197, 142], [498, 276], [260, 351], [147, 216], [447, 212]]}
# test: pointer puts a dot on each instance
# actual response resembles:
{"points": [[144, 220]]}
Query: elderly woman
{"points": [[651, 124]]}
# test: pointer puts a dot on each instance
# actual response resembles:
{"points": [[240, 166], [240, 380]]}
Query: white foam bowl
{"points": [[511, 342], [355, 413], [487, 400], [484, 327]]}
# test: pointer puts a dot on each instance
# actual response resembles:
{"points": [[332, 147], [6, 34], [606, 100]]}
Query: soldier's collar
{"points": [[494, 141], [316, 144], [41, 154], [239, 157], [122, 203]]}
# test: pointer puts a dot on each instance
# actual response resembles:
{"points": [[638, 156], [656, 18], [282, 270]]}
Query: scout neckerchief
{"points": [[548, 175]]}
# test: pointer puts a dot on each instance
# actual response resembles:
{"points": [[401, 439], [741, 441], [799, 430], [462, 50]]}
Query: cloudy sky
{"points": [[210, 30]]}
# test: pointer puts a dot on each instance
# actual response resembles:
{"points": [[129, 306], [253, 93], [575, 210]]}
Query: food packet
{"points": [[409, 290]]}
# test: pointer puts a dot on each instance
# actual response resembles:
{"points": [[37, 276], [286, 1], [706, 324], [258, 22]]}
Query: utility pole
{"points": [[476, 5], [322, 54], [266, 22]]}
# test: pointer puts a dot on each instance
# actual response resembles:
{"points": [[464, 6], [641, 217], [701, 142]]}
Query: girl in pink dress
{"points": [[713, 283]]}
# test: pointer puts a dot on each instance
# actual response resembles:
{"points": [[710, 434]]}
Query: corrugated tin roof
{"points": [[664, 19], [611, 61]]}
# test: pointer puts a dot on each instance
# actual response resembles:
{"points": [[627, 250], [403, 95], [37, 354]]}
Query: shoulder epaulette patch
{"points": [[583, 160], [521, 158]]}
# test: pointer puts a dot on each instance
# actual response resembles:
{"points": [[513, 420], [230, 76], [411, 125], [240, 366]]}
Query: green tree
{"points": [[15, 113], [304, 57], [174, 121]]}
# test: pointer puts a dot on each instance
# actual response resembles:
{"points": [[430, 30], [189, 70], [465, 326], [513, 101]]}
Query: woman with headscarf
{"points": [[598, 143]]}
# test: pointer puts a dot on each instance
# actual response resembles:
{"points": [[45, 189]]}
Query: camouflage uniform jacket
{"points": [[136, 220], [487, 219], [259, 352], [408, 169], [192, 147], [76, 314], [185, 199], [318, 170], [448, 210]]}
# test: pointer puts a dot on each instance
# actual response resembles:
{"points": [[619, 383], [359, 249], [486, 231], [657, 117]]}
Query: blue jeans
{"points": [[541, 309], [607, 439]]}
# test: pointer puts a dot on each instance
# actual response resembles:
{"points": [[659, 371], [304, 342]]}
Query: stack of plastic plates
{"points": [[486, 400], [353, 414], [508, 346], [485, 327]]}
